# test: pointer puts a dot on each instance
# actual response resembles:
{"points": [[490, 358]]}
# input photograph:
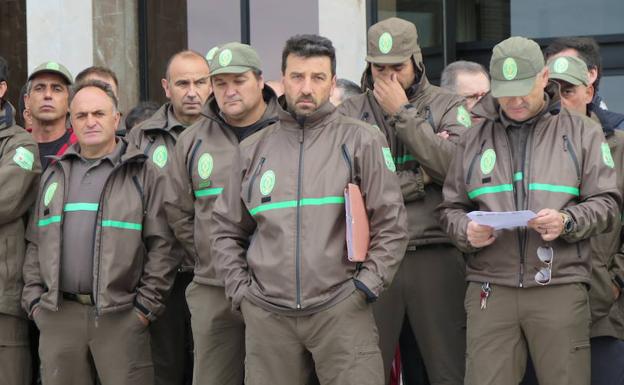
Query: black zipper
{"points": [[429, 117], [149, 145], [298, 245], [347, 158], [472, 162], [135, 179], [65, 193], [253, 178], [191, 162], [567, 147]]}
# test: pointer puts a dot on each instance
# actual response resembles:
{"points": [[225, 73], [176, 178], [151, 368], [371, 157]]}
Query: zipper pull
{"points": [[565, 143], [485, 293]]}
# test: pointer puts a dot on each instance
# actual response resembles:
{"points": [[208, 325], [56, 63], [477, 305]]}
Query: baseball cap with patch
{"points": [[234, 58], [392, 41], [54, 68], [569, 69], [514, 66]]}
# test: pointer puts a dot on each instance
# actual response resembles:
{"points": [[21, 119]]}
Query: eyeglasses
{"points": [[475, 97], [546, 255]]}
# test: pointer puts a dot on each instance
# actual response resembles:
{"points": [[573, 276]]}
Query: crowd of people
{"points": [[206, 241]]}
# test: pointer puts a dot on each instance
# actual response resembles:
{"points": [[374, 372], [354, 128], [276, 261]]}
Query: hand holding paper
{"points": [[503, 219]]}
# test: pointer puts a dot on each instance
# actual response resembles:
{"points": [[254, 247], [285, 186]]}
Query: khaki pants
{"points": [[429, 289], [172, 340], [340, 343], [14, 351], [551, 321], [76, 345], [219, 337]]}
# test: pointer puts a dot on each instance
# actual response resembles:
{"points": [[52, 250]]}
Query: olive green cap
{"points": [[234, 58], [569, 69], [514, 66], [53, 68], [392, 41]]}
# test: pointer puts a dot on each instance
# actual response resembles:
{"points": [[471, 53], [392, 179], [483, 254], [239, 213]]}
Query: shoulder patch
{"points": [[488, 161], [160, 156], [24, 158], [606, 155], [388, 158], [205, 165], [267, 182], [49, 193], [463, 117]]}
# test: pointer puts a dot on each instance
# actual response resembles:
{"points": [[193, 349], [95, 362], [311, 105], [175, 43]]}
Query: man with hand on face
{"points": [[607, 249], [279, 233], [528, 285], [98, 265], [187, 86], [241, 104], [421, 123]]}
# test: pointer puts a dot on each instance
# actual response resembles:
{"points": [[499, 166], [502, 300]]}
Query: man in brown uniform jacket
{"points": [[279, 233], [241, 105], [98, 264], [430, 284], [19, 173], [528, 285], [187, 86]]}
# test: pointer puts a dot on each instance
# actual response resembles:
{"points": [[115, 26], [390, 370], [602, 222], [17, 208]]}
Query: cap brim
{"points": [[231, 70], [511, 88], [385, 59], [49, 71], [567, 78]]}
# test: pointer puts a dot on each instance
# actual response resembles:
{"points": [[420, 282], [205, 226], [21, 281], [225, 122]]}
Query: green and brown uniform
{"points": [[279, 240], [430, 285], [201, 168], [172, 338], [132, 269], [555, 160], [19, 173]]}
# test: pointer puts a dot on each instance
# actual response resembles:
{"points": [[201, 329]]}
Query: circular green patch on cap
{"points": [[205, 165], [488, 161], [385, 42], [561, 65], [225, 58], [49, 194], [160, 155], [53, 66], [267, 182], [211, 53], [510, 68]]}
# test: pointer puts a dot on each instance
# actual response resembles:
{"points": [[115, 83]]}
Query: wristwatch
{"points": [[568, 222]]}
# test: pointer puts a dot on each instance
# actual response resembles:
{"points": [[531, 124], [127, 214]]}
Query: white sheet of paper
{"points": [[503, 219]]}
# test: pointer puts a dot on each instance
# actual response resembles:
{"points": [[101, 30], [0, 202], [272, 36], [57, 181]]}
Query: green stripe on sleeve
{"points": [[81, 207], [404, 159], [554, 188], [48, 221], [208, 192], [303, 202], [490, 190], [122, 225]]}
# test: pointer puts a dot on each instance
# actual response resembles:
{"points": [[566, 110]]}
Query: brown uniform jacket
{"points": [[567, 167], [279, 227], [413, 142], [200, 170], [608, 261], [19, 172], [132, 263], [154, 139]]}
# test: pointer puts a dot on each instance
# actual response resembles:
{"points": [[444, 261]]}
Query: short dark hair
{"points": [[186, 54], [4, 70], [587, 47], [140, 113], [108, 90], [97, 71], [348, 88], [309, 46], [448, 80]]}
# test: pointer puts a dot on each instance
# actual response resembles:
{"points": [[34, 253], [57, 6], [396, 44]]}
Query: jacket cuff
{"points": [[32, 306], [145, 311], [370, 296], [370, 281]]}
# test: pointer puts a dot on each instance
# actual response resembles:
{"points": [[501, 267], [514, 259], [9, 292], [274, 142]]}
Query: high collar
{"points": [[312, 121]]}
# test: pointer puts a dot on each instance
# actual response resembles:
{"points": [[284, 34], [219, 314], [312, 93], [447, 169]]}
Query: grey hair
{"points": [[448, 79]]}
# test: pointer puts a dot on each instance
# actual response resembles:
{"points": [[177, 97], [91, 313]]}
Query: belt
{"points": [[83, 299]]}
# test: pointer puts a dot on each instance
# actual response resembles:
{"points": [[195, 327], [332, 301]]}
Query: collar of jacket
{"points": [[420, 82], [488, 107], [7, 115], [315, 120], [128, 153]]}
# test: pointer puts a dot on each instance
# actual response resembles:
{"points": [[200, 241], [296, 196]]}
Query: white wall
{"points": [[61, 31], [344, 23]]}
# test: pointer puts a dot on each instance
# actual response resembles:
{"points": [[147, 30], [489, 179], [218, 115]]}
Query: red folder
{"points": [[358, 231]]}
